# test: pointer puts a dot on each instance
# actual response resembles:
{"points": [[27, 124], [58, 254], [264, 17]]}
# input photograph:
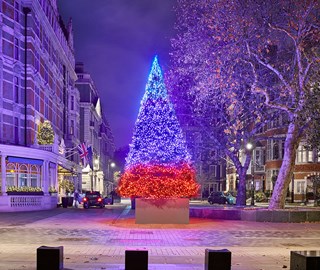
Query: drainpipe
{"points": [[26, 11]]}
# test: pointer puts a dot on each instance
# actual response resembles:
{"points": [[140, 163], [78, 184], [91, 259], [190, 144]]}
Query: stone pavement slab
{"points": [[98, 238]]}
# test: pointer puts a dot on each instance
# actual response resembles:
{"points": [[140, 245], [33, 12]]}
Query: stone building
{"points": [[267, 160], [207, 160], [37, 86], [95, 131]]}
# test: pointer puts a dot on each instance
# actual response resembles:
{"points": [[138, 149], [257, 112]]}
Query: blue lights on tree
{"points": [[157, 137], [158, 164]]}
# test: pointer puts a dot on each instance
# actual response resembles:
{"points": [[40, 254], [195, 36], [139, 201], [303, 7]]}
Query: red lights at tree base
{"points": [[159, 181]]}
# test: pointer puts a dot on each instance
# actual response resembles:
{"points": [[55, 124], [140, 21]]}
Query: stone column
{"points": [[3, 174], [45, 177]]}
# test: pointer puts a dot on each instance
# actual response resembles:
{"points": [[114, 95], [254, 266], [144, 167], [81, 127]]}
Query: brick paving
{"points": [[98, 238]]}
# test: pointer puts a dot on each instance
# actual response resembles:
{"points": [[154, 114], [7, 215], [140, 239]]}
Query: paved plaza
{"points": [[97, 239]]}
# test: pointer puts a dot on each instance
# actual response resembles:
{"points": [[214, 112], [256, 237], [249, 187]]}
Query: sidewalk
{"points": [[98, 238]]}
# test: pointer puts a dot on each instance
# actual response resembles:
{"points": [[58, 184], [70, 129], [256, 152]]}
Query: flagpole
{"points": [[92, 179]]}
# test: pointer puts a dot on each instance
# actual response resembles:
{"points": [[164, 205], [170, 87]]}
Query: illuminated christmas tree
{"points": [[158, 164]]}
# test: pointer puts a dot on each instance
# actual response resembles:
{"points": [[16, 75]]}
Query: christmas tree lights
{"points": [[158, 164]]}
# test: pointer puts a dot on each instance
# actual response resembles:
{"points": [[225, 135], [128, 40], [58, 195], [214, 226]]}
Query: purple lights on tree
{"points": [[158, 164], [157, 137]]}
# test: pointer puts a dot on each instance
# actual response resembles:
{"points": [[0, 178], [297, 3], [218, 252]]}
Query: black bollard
{"points": [[136, 260], [305, 260], [217, 259], [50, 258]]}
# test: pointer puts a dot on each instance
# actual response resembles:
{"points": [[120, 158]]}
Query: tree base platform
{"points": [[162, 211]]}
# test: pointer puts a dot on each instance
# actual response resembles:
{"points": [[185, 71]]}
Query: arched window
{"points": [[34, 176], [275, 150], [23, 175], [11, 175]]}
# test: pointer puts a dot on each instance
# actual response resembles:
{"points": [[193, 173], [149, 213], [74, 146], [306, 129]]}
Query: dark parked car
{"points": [[93, 198], [221, 198], [217, 197], [230, 198]]}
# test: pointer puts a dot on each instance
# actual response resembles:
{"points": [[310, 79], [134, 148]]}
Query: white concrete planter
{"points": [[162, 211]]}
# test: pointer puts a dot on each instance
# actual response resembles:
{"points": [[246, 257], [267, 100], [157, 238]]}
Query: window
{"points": [[212, 170], [275, 151], [34, 176], [16, 89], [213, 154], [37, 99], [72, 103], [46, 74], [36, 61], [304, 155], [301, 187], [46, 107], [45, 42], [259, 159], [37, 26], [23, 176], [16, 11], [11, 175], [16, 48], [16, 130], [72, 127], [269, 150]]}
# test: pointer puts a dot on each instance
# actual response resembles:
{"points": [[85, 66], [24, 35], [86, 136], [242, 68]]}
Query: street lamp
{"points": [[250, 147], [109, 173]]}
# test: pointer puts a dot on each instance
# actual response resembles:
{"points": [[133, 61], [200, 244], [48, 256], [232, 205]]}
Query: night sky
{"points": [[117, 40]]}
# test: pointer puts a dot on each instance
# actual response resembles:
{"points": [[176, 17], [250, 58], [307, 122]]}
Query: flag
{"points": [[90, 157], [83, 152]]}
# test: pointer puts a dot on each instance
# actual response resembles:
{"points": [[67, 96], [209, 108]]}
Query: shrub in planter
{"points": [[25, 190], [259, 196], [268, 193]]}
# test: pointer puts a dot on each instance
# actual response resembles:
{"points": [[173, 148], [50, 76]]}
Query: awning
{"points": [[25, 160]]}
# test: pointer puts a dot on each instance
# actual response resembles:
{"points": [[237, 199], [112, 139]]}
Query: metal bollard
{"points": [[50, 258], [136, 260], [217, 259]]}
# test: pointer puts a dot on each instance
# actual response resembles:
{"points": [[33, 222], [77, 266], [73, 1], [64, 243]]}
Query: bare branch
{"points": [[285, 31], [256, 89], [274, 70], [306, 72]]}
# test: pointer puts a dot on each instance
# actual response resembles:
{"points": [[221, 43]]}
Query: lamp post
{"points": [[250, 147], [95, 169], [111, 165]]}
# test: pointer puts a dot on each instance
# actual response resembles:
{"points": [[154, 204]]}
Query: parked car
{"points": [[230, 198], [221, 198], [217, 197], [93, 198]]}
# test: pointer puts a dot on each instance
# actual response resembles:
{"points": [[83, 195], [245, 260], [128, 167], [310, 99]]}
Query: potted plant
{"points": [[67, 185], [52, 191]]}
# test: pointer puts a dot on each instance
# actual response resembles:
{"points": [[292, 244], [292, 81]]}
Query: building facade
{"points": [[266, 163], [209, 163], [95, 131], [37, 85]]}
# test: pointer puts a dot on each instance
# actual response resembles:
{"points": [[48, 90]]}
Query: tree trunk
{"points": [[285, 174], [241, 193]]}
